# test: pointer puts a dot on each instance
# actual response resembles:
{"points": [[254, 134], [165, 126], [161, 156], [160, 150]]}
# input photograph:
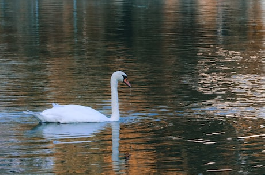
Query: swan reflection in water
{"points": [[55, 132]]}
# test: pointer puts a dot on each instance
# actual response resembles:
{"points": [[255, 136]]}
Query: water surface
{"points": [[196, 105]]}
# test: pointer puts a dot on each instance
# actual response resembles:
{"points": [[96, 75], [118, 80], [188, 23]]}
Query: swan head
{"points": [[121, 76]]}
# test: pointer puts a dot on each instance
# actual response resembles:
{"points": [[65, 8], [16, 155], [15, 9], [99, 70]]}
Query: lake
{"points": [[197, 101]]}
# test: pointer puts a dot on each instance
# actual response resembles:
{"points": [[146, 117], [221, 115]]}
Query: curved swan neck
{"points": [[114, 100]]}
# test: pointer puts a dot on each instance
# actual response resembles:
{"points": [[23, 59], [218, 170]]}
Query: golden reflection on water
{"points": [[238, 93], [197, 75]]}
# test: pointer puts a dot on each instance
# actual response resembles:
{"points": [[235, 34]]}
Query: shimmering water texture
{"points": [[197, 100]]}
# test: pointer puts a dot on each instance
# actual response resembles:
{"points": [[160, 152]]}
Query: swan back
{"points": [[72, 114]]}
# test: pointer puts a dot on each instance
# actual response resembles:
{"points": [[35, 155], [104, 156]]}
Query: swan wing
{"points": [[71, 114]]}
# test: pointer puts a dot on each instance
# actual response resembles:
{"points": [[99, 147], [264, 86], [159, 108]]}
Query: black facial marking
{"points": [[124, 76]]}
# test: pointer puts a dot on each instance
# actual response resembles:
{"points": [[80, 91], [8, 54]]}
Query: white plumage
{"points": [[72, 113], [77, 113]]}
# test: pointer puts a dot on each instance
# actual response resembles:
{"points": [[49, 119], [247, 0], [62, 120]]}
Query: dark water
{"points": [[198, 95]]}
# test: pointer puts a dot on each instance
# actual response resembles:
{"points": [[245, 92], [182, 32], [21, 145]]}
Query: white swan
{"points": [[77, 113]]}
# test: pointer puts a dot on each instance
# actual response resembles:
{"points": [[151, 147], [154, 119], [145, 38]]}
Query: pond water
{"points": [[196, 105]]}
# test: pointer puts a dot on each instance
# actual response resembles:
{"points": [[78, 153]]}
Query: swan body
{"points": [[72, 113], [77, 113]]}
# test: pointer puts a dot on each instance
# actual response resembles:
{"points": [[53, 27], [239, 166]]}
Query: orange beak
{"points": [[126, 82]]}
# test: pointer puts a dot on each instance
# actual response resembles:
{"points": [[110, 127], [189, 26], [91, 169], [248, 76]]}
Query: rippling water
{"points": [[196, 105]]}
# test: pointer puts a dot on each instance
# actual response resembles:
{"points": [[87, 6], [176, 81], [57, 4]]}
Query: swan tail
{"points": [[35, 114]]}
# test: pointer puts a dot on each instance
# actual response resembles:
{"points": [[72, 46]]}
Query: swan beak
{"points": [[126, 82]]}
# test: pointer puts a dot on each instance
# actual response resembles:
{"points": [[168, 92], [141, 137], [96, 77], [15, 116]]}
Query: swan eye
{"points": [[124, 77]]}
